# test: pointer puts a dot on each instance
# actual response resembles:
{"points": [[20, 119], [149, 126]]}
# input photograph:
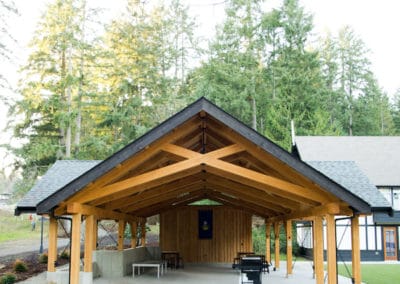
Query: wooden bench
{"points": [[159, 264]]}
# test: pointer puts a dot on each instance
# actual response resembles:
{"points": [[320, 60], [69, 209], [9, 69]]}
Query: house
{"points": [[376, 157], [199, 153]]}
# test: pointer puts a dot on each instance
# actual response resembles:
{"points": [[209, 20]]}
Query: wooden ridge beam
{"points": [[76, 208]]}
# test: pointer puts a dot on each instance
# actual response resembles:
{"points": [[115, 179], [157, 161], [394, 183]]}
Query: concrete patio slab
{"points": [[220, 274]]}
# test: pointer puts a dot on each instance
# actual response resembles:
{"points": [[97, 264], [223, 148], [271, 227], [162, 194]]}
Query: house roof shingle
{"points": [[377, 156], [347, 174], [58, 175]]}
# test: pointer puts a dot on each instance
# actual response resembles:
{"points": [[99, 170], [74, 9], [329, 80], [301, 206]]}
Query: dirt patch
{"points": [[32, 263]]}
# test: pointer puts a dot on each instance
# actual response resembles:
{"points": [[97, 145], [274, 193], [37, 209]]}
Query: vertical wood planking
{"points": [[231, 233]]}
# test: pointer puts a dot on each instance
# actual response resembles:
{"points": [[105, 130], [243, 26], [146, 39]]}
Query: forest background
{"points": [[84, 94]]}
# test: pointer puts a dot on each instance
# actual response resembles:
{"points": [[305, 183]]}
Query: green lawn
{"points": [[18, 227], [375, 273]]}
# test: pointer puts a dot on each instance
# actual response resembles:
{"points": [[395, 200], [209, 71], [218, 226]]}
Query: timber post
{"points": [[277, 248], [133, 234], [268, 242], [355, 250], [75, 248], [318, 251], [121, 231], [331, 248], [52, 252], [89, 224], [289, 248], [143, 232]]}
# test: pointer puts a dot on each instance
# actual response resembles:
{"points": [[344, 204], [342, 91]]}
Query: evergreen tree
{"points": [[52, 86]]}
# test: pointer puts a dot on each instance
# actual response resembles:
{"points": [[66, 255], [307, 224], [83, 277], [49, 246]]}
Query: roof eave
{"points": [[24, 210]]}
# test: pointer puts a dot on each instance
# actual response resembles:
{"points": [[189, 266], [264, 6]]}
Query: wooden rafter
{"points": [[268, 183], [154, 192], [253, 192]]}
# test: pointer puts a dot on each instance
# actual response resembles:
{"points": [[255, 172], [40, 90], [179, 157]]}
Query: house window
{"points": [[396, 198], [392, 194]]}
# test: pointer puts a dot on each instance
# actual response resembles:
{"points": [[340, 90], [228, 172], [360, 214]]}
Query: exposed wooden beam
{"points": [[156, 192], [330, 208], [161, 198], [75, 208], [254, 192], [140, 157], [189, 154], [261, 181], [144, 181], [249, 199]]}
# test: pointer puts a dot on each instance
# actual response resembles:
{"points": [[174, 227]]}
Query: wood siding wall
{"points": [[231, 233]]}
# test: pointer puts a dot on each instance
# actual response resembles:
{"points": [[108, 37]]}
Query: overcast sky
{"points": [[376, 22]]}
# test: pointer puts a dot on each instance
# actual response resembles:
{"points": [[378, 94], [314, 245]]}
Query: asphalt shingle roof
{"points": [[349, 175], [377, 156], [58, 175]]}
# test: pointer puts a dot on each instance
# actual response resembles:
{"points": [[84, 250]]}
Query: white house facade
{"points": [[359, 161]]}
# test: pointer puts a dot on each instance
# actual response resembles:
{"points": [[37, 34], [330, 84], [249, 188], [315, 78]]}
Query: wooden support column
{"points": [[268, 242], [75, 248], [277, 248], [318, 251], [88, 243], [331, 248], [289, 256], [355, 249], [121, 230], [95, 232], [52, 252], [133, 234], [143, 233]]}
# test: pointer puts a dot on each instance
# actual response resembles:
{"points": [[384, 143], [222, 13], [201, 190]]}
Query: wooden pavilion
{"points": [[203, 152]]}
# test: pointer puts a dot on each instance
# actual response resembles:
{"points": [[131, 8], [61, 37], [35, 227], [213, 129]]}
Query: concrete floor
{"points": [[219, 274], [209, 274]]}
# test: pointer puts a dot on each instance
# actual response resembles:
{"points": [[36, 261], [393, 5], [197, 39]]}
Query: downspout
{"points": [[70, 243]]}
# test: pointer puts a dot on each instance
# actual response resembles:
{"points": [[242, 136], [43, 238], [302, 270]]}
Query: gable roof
{"points": [[347, 174], [377, 156], [58, 175], [202, 152]]}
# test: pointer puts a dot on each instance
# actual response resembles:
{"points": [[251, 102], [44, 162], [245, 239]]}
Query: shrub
{"points": [[64, 255], [8, 278], [43, 258], [20, 266]]}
